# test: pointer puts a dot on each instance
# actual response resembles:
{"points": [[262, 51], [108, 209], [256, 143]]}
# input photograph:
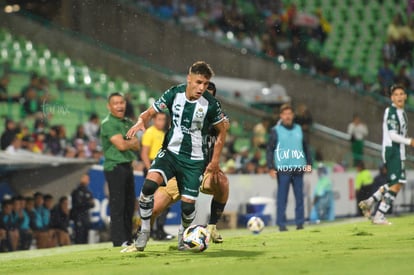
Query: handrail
{"points": [[346, 137]]}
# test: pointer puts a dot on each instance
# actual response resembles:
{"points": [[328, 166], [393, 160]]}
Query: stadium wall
{"points": [[243, 188]]}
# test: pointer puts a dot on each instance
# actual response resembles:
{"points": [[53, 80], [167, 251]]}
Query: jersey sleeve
{"points": [[216, 115], [165, 101]]}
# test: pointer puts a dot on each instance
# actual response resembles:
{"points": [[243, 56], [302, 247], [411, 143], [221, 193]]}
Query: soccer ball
{"points": [[255, 225], [196, 238]]}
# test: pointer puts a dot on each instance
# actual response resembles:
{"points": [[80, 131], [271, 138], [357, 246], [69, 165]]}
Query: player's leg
{"points": [[189, 176], [164, 197], [366, 205], [160, 172], [396, 179], [220, 190]]}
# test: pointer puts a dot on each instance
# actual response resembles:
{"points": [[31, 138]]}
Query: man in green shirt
{"points": [[119, 154]]}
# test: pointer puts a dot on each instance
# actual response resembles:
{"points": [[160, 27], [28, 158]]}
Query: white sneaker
{"points": [[141, 241], [380, 219], [365, 207]]}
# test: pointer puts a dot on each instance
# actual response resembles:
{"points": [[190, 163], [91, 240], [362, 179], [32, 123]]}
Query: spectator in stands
{"points": [[9, 224], [28, 144], [260, 133], [4, 82], [63, 140], [386, 76], [304, 118], [402, 78], [82, 201], [80, 134], [241, 159], [395, 34], [52, 142], [389, 52], [40, 139], [358, 131], [59, 221], [15, 147], [4, 93], [323, 29], [91, 127], [255, 160], [91, 148], [33, 84], [10, 131], [23, 222], [363, 185], [129, 109], [31, 105]]}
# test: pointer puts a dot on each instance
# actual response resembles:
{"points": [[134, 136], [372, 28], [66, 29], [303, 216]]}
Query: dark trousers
{"points": [[81, 228], [283, 183], [121, 202]]}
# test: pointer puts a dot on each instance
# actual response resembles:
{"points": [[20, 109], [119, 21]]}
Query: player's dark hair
{"points": [[201, 68], [212, 87], [395, 87], [111, 95]]}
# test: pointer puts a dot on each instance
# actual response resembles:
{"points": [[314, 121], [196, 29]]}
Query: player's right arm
{"points": [[143, 119]]}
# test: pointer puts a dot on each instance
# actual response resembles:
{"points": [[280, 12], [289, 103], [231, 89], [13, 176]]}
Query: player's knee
{"points": [[149, 187], [188, 210]]}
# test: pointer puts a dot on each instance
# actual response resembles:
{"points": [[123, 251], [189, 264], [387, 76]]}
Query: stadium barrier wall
{"points": [[245, 187]]}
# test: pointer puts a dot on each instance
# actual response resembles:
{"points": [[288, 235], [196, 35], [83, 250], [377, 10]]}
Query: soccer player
{"points": [[394, 140], [192, 111], [165, 196]]}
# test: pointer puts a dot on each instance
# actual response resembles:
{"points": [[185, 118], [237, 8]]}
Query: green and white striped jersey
{"points": [[394, 129], [190, 121]]}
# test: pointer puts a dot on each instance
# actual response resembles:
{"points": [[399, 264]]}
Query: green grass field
{"points": [[343, 247]]}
